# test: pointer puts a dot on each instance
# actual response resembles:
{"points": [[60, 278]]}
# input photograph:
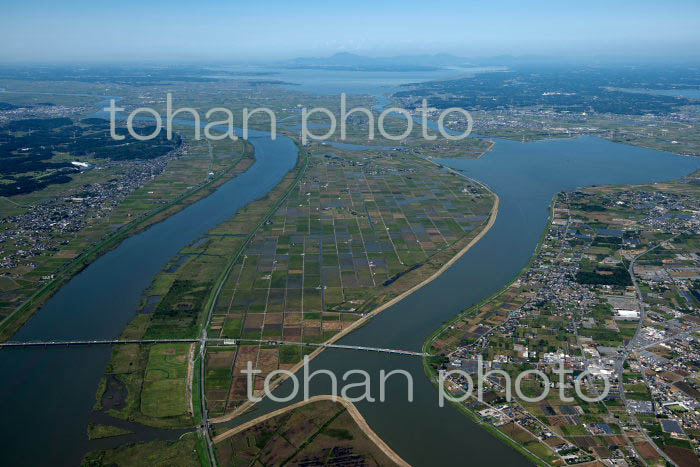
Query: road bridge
{"points": [[216, 341]]}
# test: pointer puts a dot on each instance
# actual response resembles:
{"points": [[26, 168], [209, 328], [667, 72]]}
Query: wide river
{"points": [[48, 393], [526, 176]]}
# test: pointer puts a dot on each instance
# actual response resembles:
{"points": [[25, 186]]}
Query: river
{"points": [[526, 176], [48, 393]]}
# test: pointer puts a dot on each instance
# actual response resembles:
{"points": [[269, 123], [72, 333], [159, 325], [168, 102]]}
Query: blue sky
{"points": [[80, 30]]}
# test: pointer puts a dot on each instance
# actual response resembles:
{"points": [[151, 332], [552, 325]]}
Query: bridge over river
{"points": [[208, 340]]}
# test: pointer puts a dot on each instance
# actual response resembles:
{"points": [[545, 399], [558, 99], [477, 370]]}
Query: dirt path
{"points": [[492, 219], [190, 376], [488, 149], [352, 410]]}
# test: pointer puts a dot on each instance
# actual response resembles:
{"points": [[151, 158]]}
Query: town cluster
{"points": [[613, 290]]}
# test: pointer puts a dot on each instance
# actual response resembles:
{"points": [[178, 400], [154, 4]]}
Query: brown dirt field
{"points": [[558, 420], [292, 319], [267, 360], [254, 321], [246, 353], [66, 254], [292, 334], [332, 325], [439, 343], [635, 437], [583, 441], [343, 452], [602, 452], [238, 390], [688, 389], [273, 318], [646, 450], [681, 456], [217, 394], [516, 432], [673, 377], [218, 360], [259, 383], [554, 442], [312, 331], [618, 439]]}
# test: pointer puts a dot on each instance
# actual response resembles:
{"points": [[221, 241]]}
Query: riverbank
{"points": [[98, 303], [461, 249], [432, 374], [522, 175], [475, 307], [14, 321]]}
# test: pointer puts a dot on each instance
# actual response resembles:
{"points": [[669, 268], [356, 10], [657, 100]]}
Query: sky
{"points": [[147, 30]]}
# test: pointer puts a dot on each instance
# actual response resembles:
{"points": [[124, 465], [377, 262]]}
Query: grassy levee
{"points": [[196, 398], [434, 377], [12, 322], [202, 451]]}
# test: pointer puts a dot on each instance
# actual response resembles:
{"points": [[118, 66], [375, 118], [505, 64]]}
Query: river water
{"points": [[48, 393], [525, 176]]}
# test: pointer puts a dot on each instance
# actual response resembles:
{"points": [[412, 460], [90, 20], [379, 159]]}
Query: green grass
{"points": [[573, 430], [97, 431], [11, 323], [165, 381], [180, 453], [290, 353]]}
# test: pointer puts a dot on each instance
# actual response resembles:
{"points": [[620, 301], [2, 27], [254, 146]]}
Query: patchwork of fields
{"points": [[340, 245]]}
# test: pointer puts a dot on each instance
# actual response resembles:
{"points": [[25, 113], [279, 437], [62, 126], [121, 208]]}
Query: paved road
{"points": [[631, 346]]}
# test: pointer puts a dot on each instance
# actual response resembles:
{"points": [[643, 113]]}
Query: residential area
{"points": [[612, 289]]}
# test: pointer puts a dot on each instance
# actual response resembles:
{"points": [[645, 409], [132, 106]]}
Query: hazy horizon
{"points": [[40, 31]]}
